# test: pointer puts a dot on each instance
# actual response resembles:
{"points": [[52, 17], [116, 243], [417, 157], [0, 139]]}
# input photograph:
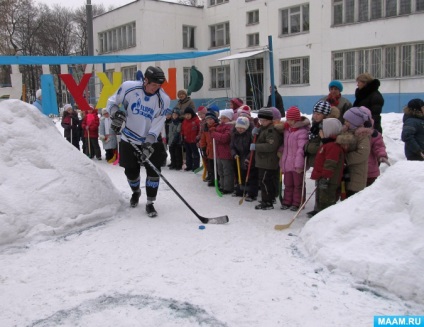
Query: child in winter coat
{"points": [[224, 161], [90, 125], [268, 140], [413, 130], [174, 141], [292, 162], [328, 167], [378, 152], [108, 137], [206, 145], [355, 140], [189, 131], [320, 111], [70, 124], [241, 138]]}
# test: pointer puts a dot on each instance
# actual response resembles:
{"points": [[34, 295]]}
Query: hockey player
{"points": [[138, 111]]}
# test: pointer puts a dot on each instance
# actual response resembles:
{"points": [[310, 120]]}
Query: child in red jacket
{"points": [[190, 130], [90, 125], [328, 166]]}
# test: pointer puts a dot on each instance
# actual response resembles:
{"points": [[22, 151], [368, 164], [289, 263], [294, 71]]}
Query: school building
{"points": [[312, 43]]}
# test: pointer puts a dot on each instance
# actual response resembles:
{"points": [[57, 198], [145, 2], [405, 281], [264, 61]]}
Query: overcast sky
{"points": [[79, 3]]}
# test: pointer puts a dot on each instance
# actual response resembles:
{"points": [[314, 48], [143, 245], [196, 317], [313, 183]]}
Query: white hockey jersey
{"points": [[146, 114]]}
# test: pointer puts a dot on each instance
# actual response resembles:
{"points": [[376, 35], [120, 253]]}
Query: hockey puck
{"points": [[290, 234], [202, 227]]}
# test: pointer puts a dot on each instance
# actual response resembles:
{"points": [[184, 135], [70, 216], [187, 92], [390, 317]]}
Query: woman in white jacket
{"points": [[107, 136]]}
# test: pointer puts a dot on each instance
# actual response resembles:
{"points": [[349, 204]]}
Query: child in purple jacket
{"points": [[293, 157]]}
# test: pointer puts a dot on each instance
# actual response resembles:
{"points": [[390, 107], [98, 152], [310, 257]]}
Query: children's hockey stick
{"points": [[285, 226]]}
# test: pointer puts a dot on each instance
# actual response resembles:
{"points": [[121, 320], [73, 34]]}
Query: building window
{"points": [[220, 77], [252, 39], [216, 2], [383, 62], [128, 73], [295, 20], [252, 17], [188, 37], [354, 11], [419, 59], [119, 38], [220, 35], [186, 76], [295, 71]]}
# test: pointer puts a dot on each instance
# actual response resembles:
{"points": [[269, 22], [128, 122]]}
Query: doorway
{"points": [[255, 83]]}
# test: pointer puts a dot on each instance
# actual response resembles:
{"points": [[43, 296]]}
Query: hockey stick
{"points": [[285, 226], [215, 172], [198, 169], [205, 168], [238, 169], [248, 172], [204, 220]]}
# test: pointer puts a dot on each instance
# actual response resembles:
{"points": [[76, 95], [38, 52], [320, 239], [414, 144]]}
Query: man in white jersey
{"points": [[138, 111]]}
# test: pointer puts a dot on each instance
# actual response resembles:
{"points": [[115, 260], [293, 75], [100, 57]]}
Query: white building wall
{"points": [[159, 30]]}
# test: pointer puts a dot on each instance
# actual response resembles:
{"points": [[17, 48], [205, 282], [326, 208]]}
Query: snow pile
{"points": [[377, 235], [46, 185]]}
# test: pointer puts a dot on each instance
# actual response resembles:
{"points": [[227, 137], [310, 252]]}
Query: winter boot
{"points": [[151, 211], [134, 198], [264, 206]]}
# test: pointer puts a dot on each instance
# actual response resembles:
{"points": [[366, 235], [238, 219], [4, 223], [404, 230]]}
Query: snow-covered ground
{"points": [[72, 252]]}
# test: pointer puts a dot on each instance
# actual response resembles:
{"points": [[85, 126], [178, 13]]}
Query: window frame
{"points": [[254, 37], [119, 38], [252, 17], [385, 62], [189, 37], [218, 72], [288, 68], [215, 30], [368, 10], [292, 17]]}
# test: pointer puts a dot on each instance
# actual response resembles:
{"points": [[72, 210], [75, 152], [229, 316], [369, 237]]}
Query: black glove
{"points": [[146, 150], [118, 120], [323, 184]]}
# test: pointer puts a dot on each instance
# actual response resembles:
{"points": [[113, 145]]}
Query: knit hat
{"points": [[104, 111], [202, 110], [293, 113], [323, 107], [181, 92], [276, 114], [176, 111], [38, 94], [67, 106], [242, 122], [265, 113], [356, 116], [416, 104], [337, 84], [214, 108], [211, 114], [244, 111], [226, 113], [331, 127], [237, 102], [190, 111]]}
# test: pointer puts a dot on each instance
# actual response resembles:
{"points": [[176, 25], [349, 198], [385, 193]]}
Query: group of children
{"points": [[89, 129], [251, 154]]}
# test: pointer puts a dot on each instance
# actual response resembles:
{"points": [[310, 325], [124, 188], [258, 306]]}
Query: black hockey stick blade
{"points": [[204, 220]]}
